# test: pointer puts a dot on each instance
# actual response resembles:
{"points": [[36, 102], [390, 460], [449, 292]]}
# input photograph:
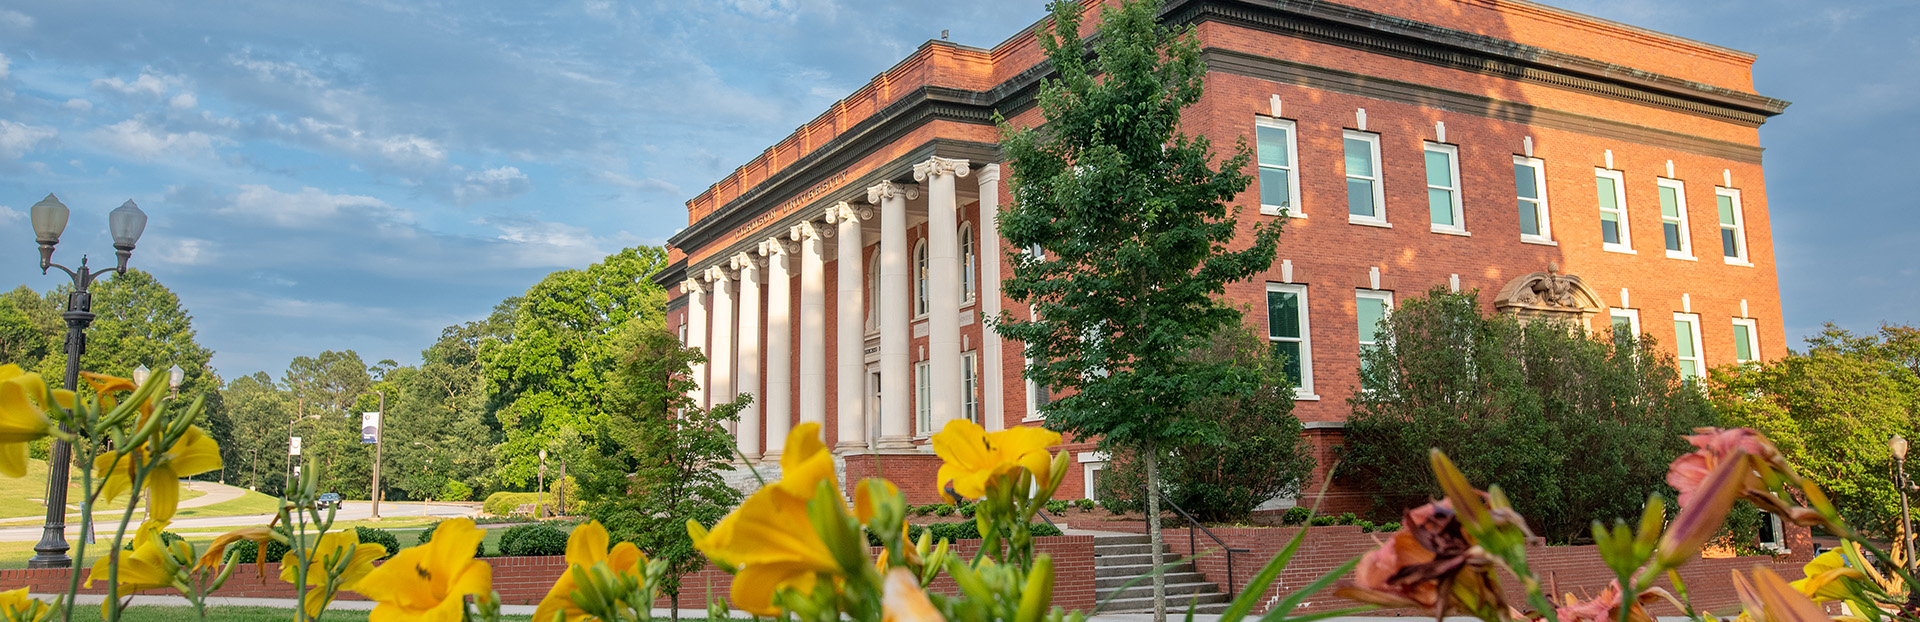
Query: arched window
{"points": [[920, 273], [969, 269], [873, 291]]}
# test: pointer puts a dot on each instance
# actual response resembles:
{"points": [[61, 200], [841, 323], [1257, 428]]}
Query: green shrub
{"points": [[943, 510], [1085, 505], [479, 548], [1387, 527], [963, 530], [1366, 526], [381, 537], [1322, 521], [246, 550], [1295, 515], [504, 503], [966, 509], [532, 540], [456, 490], [1058, 506], [1347, 518]]}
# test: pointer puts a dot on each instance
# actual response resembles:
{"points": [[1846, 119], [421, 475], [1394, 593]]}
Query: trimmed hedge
{"points": [[533, 539], [379, 536], [504, 503]]}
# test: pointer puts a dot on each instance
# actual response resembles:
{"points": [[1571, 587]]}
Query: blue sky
{"points": [[361, 174]]}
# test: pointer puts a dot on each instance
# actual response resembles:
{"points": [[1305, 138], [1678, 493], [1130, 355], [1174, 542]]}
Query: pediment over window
{"points": [[1550, 295]]}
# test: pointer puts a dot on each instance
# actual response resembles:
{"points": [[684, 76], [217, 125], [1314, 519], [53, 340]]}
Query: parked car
{"points": [[326, 500]]}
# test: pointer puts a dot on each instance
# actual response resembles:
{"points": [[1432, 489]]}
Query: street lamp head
{"points": [[49, 218], [141, 374], [1899, 446], [126, 223], [174, 376]]}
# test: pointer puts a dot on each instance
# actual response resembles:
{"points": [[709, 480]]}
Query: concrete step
{"points": [[1135, 570], [1135, 559], [1204, 603], [1144, 589], [1143, 548], [1105, 540], [1117, 580]]}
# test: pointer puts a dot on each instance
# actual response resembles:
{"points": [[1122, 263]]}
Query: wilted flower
{"points": [[218, 549], [1415, 566], [1604, 608], [194, 453], [1717, 445], [768, 538], [1770, 599], [23, 416], [971, 457], [327, 554], [903, 601], [587, 548], [432, 581]]}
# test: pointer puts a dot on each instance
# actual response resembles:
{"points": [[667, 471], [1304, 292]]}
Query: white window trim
{"points": [[1699, 357], [1459, 226], [970, 397], [1686, 233], [969, 264], [1620, 199], [922, 399], [1633, 320], [1033, 388], [1739, 224], [1091, 461], [922, 299], [1304, 392], [1539, 185], [1379, 218], [1753, 339], [1293, 165]]}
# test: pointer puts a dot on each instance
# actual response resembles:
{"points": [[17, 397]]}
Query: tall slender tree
{"points": [[1132, 224]]}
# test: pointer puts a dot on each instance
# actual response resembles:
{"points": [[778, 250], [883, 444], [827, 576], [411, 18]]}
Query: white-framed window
{"points": [[1287, 330], [1443, 188], [1279, 177], [1746, 340], [970, 386], [1687, 347], [683, 334], [1733, 226], [1611, 188], [1366, 197], [1370, 307], [969, 264], [1093, 464], [923, 397], [1530, 184], [1673, 218], [920, 275], [1628, 319], [1037, 394]]}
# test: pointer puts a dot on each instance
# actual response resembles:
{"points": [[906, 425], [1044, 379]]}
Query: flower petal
{"points": [[588, 544]]}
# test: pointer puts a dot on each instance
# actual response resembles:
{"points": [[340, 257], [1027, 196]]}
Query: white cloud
{"points": [[179, 251], [78, 105], [504, 182], [538, 243], [16, 138], [184, 101], [4, 72], [15, 19], [312, 208], [149, 84], [649, 183], [134, 138]]}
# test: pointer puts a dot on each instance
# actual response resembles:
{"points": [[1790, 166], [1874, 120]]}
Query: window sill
{"points": [[1282, 211], [1739, 262], [1540, 241], [1618, 249], [1306, 398], [1369, 222], [1673, 255], [1450, 231]]}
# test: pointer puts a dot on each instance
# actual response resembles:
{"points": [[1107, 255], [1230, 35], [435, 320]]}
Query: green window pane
{"points": [[1440, 204], [1742, 343], [1672, 231], [1689, 370], [1726, 209], [1359, 158], [1683, 338], [1523, 181], [1274, 189], [1289, 350], [1728, 244], [1609, 195], [1439, 169], [1369, 312], [1360, 197], [1623, 328], [1610, 227], [1669, 202], [1529, 217], [1283, 314], [1273, 146]]}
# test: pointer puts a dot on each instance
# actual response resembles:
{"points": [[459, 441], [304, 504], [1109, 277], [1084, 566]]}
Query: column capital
{"points": [[692, 286], [887, 190], [773, 246], [937, 165], [717, 274], [806, 230], [848, 212], [744, 261], [988, 174]]}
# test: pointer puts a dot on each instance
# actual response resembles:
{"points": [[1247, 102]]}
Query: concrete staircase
{"points": [[1120, 559]]}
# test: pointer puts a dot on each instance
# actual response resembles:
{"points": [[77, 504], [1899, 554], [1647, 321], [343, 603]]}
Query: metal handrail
{"points": [[1193, 544]]}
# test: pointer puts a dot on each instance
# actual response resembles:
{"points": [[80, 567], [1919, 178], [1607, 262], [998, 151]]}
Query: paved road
{"points": [[352, 510]]}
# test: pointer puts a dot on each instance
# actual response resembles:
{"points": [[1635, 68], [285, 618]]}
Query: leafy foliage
{"points": [[379, 536], [1574, 427], [533, 539]]}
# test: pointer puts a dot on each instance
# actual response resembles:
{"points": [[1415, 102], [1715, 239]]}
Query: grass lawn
{"points": [[248, 504], [14, 555], [233, 614], [23, 497]]}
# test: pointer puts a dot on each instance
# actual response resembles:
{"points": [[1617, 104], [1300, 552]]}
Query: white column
{"points": [[779, 410], [747, 357], [813, 322], [720, 359], [850, 333], [943, 296], [697, 336], [896, 378], [993, 412]]}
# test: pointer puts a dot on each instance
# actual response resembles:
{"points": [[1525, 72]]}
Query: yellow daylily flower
{"points": [[218, 549], [902, 600], [430, 582], [863, 501], [193, 454], [332, 545], [767, 538], [971, 457], [107, 387], [150, 565], [18, 605], [23, 416], [586, 548], [1826, 576]]}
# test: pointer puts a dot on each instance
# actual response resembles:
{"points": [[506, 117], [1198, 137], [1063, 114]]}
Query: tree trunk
{"points": [[674, 604], [1153, 534]]}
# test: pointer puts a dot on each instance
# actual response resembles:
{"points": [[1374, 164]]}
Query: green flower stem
{"points": [[120, 534]]}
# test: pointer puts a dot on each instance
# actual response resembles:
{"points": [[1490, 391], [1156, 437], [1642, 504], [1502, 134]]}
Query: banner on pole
{"points": [[293, 446], [369, 428]]}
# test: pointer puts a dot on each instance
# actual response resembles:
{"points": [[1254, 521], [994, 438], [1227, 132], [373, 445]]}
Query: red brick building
{"points": [[1465, 143]]}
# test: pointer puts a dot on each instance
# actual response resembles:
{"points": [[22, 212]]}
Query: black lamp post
{"points": [[49, 217]]}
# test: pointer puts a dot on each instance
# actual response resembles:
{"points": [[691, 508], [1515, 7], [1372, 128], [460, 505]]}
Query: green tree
{"points": [[662, 455], [260, 413], [1574, 427], [30, 327], [1134, 222], [326, 390], [548, 382], [1831, 410], [440, 433]]}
